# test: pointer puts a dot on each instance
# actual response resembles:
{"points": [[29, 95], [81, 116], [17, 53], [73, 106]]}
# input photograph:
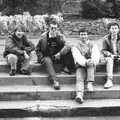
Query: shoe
{"points": [[79, 98], [108, 84], [25, 72], [12, 72], [65, 70], [56, 85], [90, 86]]}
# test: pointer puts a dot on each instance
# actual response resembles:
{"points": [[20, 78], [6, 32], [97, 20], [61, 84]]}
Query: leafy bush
{"points": [[98, 8], [90, 9]]}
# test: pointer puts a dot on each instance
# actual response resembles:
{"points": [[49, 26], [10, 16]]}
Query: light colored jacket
{"points": [[82, 53]]}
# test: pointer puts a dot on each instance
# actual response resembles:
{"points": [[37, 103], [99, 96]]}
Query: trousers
{"points": [[65, 61], [84, 74], [14, 62]]}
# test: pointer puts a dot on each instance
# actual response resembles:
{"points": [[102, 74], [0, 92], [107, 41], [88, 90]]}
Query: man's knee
{"points": [[12, 57], [109, 60], [91, 66], [47, 60]]}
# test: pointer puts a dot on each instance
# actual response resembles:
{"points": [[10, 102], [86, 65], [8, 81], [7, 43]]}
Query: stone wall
{"points": [[94, 27]]}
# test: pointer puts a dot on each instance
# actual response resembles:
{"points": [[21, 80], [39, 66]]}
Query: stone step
{"points": [[46, 92], [97, 117], [36, 66], [34, 79], [59, 108], [102, 68], [41, 78]]}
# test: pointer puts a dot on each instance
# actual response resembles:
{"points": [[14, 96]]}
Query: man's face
{"points": [[19, 33], [114, 29], [83, 36], [53, 30]]}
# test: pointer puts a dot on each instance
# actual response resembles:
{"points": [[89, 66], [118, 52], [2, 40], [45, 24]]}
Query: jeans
{"points": [[82, 74], [110, 62], [109, 66]]}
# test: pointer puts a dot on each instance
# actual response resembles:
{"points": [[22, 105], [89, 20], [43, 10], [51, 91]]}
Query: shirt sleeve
{"points": [[95, 56], [78, 57]]}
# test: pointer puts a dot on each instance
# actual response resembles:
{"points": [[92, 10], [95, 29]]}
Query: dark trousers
{"points": [[68, 61], [65, 61]]}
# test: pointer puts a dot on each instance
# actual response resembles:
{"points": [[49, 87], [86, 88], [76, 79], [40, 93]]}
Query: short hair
{"points": [[53, 22], [19, 27], [83, 30], [112, 24]]}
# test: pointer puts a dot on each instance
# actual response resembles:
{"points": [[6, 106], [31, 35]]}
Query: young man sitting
{"points": [[111, 51], [86, 56], [53, 48], [17, 51]]}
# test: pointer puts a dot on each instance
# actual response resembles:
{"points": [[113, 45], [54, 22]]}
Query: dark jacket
{"points": [[42, 46], [17, 46], [107, 49]]}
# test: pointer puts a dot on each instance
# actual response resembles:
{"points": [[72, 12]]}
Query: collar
{"points": [[86, 43], [49, 35]]}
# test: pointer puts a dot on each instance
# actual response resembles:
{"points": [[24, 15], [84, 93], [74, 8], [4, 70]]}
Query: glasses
{"points": [[53, 28]]}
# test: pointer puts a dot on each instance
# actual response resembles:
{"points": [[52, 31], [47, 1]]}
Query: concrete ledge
{"points": [[36, 67], [44, 92], [41, 78], [59, 108]]}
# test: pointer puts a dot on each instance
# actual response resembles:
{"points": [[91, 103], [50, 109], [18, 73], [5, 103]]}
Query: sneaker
{"points": [[56, 85], [12, 72], [108, 84], [79, 98], [65, 70], [25, 72], [90, 86]]}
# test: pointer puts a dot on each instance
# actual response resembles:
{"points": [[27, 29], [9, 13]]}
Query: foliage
{"points": [[99, 8], [12, 7]]}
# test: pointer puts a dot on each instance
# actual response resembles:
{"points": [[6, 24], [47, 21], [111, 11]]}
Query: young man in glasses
{"points": [[51, 48]]}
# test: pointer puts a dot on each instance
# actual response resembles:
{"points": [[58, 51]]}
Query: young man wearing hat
{"points": [[111, 51], [51, 48], [86, 56]]}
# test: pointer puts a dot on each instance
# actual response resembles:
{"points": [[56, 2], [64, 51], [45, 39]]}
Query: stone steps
{"points": [[39, 76], [46, 92], [42, 78], [36, 66], [59, 108], [33, 95]]}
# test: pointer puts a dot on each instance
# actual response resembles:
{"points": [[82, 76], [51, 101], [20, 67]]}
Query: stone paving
{"points": [[67, 118]]}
